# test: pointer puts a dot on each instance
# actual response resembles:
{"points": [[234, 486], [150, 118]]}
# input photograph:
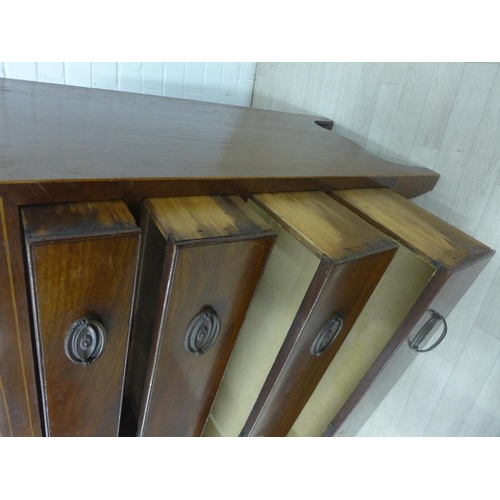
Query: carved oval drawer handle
{"points": [[327, 335], [424, 332], [85, 340], [202, 332]]}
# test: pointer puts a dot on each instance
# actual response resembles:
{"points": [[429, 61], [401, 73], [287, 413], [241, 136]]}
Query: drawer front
{"points": [[82, 263], [207, 280]]}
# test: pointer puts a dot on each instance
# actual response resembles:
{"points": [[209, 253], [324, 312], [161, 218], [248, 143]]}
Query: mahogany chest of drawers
{"points": [[177, 268]]}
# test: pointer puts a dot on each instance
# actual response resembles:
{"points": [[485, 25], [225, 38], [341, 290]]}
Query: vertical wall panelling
{"points": [[482, 166], [78, 74], [330, 88], [50, 72], [21, 71], [193, 80], [152, 78], [284, 97], [480, 304], [212, 80], [299, 86], [229, 86], [461, 129], [245, 84], [366, 99], [439, 104], [280, 82], [173, 79], [489, 315], [346, 98], [395, 73], [488, 318], [230, 83], [268, 76], [314, 82], [411, 103], [104, 75], [130, 77], [383, 118]]}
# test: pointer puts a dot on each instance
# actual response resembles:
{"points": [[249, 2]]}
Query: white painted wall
{"points": [[227, 83]]}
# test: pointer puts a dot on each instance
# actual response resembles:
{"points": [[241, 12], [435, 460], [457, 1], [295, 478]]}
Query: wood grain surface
{"points": [[353, 257], [427, 235], [458, 260], [204, 217], [98, 135], [325, 228], [19, 410], [198, 253], [87, 269], [70, 220], [342, 290], [284, 283]]}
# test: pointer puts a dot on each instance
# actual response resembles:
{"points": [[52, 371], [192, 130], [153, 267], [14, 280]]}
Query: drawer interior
{"points": [[289, 271], [398, 290], [272, 365]]}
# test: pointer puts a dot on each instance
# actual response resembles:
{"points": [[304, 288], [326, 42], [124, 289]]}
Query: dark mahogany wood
{"points": [[442, 294], [19, 413], [61, 144], [354, 256], [82, 260], [458, 259], [53, 137], [335, 289], [198, 252]]}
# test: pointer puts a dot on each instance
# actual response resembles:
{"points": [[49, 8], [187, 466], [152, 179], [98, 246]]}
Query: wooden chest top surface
{"points": [[58, 132]]}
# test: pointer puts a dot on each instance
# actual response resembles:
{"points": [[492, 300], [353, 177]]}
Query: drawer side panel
{"points": [[441, 295]]}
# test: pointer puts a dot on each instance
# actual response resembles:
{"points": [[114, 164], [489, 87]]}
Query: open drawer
{"points": [[406, 315], [324, 266], [201, 260]]}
